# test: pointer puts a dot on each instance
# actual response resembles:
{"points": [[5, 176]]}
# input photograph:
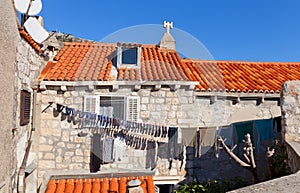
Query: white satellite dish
{"points": [[29, 7], [35, 30]]}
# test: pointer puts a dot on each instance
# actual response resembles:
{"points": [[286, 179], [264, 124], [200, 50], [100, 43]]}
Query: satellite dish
{"points": [[35, 30], [29, 7]]}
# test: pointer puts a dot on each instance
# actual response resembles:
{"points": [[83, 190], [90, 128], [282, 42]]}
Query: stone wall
{"points": [[20, 65], [290, 105], [60, 149], [8, 40], [28, 66]]}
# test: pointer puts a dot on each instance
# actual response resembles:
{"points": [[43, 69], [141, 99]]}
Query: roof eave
{"points": [[115, 85]]}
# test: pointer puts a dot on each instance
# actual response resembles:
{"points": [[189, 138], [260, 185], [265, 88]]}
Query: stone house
{"points": [[149, 86], [144, 87]]}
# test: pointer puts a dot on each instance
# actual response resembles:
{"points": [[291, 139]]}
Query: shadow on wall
{"points": [[212, 163]]}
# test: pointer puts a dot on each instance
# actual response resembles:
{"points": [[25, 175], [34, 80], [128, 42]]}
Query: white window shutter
{"points": [[91, 104], [133, 108]]}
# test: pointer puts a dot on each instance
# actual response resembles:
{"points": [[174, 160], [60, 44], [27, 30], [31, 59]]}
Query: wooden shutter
{"points": [[25, 107], [91, 104], [133, 108]]}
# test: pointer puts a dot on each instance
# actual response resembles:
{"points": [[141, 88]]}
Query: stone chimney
{"points": [[167, 41]]}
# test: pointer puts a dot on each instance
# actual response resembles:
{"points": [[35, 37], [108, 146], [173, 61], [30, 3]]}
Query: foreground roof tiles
{"points": [[97, 185], [29, 39], [94, 62]]}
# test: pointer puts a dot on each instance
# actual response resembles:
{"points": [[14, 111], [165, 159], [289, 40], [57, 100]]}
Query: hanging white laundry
{"points": [[119, 149]]}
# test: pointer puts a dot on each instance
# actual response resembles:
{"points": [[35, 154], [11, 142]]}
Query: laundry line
{"points": [[106, 125]]}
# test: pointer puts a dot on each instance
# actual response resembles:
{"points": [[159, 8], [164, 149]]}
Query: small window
{"points": [[129, 56], [25, 107], [126, 108]]}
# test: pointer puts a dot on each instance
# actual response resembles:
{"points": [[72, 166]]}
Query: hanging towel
{"points": [[265, 131], [106, 150], [207, 137], [242, 129], [189, 137]]}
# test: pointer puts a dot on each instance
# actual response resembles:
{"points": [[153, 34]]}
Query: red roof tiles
{"points": [[243, 76], [98, 185], [29, 39], [94, 62], [80, 62], [160, 65]]}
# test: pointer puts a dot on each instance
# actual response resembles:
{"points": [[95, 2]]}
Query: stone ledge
{"points": [[296, 146], [293, 149], [289, 183]]}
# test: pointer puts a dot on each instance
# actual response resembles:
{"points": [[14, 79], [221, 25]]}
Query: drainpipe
{"points": [[21, 176]]}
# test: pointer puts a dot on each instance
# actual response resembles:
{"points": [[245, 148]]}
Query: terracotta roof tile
{"points": [[94, 61], [29, 39], [239, 75], [80, 61], [97, 185]]}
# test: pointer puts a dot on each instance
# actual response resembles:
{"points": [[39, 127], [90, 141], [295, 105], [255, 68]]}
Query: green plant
{"points": [[279, 162], [211, 186]]}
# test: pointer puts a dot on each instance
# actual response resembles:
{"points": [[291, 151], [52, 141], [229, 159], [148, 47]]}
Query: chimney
{"points": [[167, 41]]}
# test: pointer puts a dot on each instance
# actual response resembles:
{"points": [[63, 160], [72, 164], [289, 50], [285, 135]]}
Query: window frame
{"points": [[120, 63]]}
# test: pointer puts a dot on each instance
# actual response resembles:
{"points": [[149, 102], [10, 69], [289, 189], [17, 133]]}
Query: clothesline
{"points": [[103, 124]]}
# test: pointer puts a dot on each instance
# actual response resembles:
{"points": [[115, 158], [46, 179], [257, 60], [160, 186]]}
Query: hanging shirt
{"points": [[265, 130]]}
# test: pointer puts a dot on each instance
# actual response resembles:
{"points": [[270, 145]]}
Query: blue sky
{"points": [[256, 30]]}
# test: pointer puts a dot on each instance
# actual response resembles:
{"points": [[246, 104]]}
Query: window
{"points": [[25, 106], [112, 106], [128, 56], [126, 108]]}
